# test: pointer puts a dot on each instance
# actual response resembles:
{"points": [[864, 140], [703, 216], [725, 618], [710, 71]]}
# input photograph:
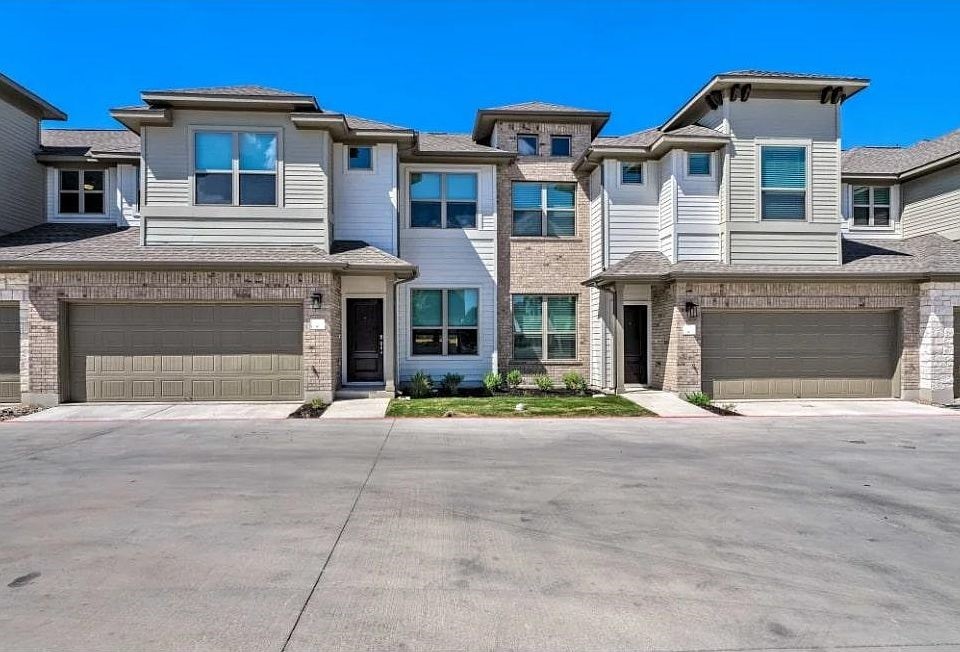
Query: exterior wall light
{"points": [[315, 300]]}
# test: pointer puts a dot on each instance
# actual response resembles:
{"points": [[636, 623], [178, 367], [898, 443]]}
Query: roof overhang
{"points": [[906, 175], [486, 118], [27, 264], [596, 153], [220, 101], [602, 280], [28, 101], [134, 118], [496, 158], [786, 84], [339, 128]]}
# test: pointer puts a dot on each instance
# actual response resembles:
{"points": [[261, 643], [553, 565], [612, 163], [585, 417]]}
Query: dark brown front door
{"points": [[364, 340], [635, 345]]}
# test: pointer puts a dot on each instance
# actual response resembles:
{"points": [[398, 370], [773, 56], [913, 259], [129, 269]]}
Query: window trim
{"points": [[545, 331], [643, 174], [235, 131], [544, 210], [565, 137], [536, 137], [445, 325], [346, 160], [80, 192], [443, 172], [807, 144], [871, 206], [711, 157]]}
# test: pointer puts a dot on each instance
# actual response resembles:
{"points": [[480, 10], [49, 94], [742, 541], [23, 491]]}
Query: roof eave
{"points": [[134, 119], [457, 157], [483, 123], [215, 100], [42, 109]]}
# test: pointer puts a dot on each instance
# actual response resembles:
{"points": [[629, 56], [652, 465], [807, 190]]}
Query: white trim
{"points": [[444, 324], [712, 176], [346, 160], [649, 306], [442, 171], [628, 186], [807, 144], [235, 131]]}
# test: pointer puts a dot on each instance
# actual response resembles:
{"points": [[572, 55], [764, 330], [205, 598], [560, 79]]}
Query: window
{"points": [[528, 145], [444, 322], [871, 206], [698, 164], [783, 182], [235, 168], [631, 174], [543, 209], [443, 200], [359, 158], [559, 145], [544, 324], [81, 192]]}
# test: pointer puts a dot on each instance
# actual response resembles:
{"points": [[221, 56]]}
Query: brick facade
{"points": [[542, 265], [50, 290], [938, 310]]}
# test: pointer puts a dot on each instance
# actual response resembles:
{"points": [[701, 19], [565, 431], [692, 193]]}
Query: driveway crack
{"points": [[336, 541]]}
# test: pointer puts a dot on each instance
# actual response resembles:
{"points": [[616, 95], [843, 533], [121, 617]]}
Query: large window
{"points": [[444, 322], [544, 324], [235, 168], [871, 206], [443, 200], [783, 182], [544, 209], [81, 192]]}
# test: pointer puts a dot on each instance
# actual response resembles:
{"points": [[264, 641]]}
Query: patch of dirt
{"points": [[15, 411], [724, 412], [308, 411]]}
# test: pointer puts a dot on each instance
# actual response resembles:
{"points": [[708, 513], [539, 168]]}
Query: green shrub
{"points": [[317, 404], [697, 398], [543, 382], [493, 381], [421, 385], [451, 383], [514, 378], [575, 382]]}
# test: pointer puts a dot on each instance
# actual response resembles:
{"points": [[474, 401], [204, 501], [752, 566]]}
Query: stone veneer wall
{"points": [[542, 265], [938, 304], [50, 289], [676, 362]]}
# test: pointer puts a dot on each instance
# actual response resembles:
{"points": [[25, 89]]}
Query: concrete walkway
{"points": [[162, 411], [838, 408], [357, 408], [666, 404]]}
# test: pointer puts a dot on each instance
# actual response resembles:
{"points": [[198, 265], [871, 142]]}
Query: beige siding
{"points": [[931, 204], [21, 177], [784, 248]]}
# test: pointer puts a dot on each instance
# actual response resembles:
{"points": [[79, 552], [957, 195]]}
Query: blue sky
{"points": [[430, 65]]}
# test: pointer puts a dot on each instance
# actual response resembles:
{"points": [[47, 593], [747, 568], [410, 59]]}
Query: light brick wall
{"points": [[49, 291], [676, 361], [541, 265], [938, 304], [14, 288]]}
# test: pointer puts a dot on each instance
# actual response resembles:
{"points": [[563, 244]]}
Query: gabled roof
{"points": [[88, 143], [902, 161], [651, 143], [28, 101], [483, 125]]}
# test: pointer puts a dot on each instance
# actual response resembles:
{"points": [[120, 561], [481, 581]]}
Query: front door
{"points": [[635, 345], [364, 340]]}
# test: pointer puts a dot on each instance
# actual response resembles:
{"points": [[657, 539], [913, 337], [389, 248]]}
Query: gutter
{"points": [[603, 281], [26, 265]]}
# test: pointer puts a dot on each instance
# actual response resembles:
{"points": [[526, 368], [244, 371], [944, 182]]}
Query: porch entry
{"points": [[364, 340], [635, 345]]}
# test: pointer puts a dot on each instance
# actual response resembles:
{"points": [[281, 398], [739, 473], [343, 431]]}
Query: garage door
{"points": [[9, 354], [799, 355], [185, 352]]}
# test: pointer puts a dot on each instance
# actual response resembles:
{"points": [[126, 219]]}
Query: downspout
{"points": [[611, 290], [396, 328]]}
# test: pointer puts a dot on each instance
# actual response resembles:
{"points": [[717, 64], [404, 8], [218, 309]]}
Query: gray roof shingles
{"points": [[443, 143], [84, 142], [648, 137], [239, 90], [537, 106], [897, 160], [774, 74]]}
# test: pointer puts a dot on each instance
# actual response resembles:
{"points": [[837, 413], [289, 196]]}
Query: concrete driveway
{"points": [[163, 411], [642, 534], [880, 408]]}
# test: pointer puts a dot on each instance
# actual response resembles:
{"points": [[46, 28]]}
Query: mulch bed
{"points": [[18, 411], [307, 411], [716, 409]]}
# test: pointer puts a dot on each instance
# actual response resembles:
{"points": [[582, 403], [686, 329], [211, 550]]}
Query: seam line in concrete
{"points": [[22, 456], [336, 541]]}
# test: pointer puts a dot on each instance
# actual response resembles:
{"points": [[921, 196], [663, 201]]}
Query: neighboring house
{"points": [[245, 243]]}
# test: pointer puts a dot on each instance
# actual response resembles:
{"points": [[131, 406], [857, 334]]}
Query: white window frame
{"points": [[373, 160], [443, 200], [643, 174], [871, 205], [80, 192], [536, 137], [711, 156], [445, 325], [759, 144], [565, 137], [545, 327], [235, 167], [544, 210]]}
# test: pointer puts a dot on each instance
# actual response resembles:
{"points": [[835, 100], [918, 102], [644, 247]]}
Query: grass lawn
{"points": [[503, 406]]}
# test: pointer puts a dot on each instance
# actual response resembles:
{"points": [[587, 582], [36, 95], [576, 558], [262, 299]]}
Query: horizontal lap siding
{"points": [[365, 202], [21, 177], [931, 204], [783, 248]]}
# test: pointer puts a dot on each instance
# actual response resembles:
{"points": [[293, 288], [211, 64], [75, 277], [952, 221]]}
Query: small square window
{"points": [[559, 145], [698, 164], [631, 173], [528, 145], [360, 158]]}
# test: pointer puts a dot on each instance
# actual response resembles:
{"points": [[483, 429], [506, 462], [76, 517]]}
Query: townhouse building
{"points": [[245, 243]]}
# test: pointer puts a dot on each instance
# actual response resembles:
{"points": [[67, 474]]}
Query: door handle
{"points": [[381, 343]]}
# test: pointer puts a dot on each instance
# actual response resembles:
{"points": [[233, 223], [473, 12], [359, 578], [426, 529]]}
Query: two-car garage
{"points": [[799, 354]]}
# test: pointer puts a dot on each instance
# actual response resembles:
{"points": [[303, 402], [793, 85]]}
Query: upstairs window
{"points": [[81, 192], [528, 145], [544, 209], [783, 182], [443, 200], [544, 325], [235, 168], [631, 174], [871, 206], [444, 322], [359, 158], [559, 145], [698, 164]]}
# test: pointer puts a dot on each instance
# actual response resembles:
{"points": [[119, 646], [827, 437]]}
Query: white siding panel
{"points": [[365, 202], [698, 246], [633, 212], [667, 204], [931, 204], [779, 248], [113, 210]]}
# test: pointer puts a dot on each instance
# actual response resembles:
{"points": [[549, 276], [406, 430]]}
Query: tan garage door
{"points": [[9, 354], [799, 355], [185, 352]]}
